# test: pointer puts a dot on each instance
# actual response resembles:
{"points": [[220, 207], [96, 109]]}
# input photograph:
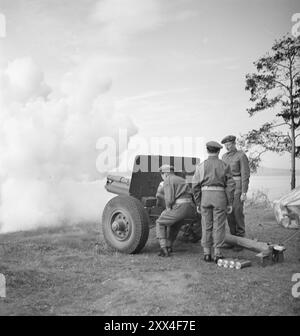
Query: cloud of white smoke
{"points": [[121, 20], [48, 145]]}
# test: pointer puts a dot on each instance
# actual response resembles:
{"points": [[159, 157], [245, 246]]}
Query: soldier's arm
{"points": [[160, 196], [196, 186], [230, 185], [245, 172], [169, 193]]}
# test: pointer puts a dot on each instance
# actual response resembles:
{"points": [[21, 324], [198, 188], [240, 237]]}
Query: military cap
{"points": [[214, 144], [229, 138], [166, 168]]}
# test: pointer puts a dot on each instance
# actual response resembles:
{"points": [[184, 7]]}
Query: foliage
{"points": [[256, 142], [259, 198], [275, 86]]}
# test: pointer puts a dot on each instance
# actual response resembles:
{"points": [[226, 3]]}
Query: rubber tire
{"points": [[139, 218]]}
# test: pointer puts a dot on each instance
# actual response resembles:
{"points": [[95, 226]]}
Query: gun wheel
{"points": [[125, 224]]}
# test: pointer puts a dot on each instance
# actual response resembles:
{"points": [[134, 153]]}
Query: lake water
{"points": [[273, 186]]}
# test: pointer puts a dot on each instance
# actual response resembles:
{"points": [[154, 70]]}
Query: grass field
{"points": [[61, 271]]}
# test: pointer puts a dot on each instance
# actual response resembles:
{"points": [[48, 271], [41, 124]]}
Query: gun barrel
{"points": [[242, 264], [117, 185], [247, 243]]}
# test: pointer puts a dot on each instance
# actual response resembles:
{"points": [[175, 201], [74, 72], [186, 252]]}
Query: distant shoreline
{"points": [[266, 171], [273, 175]]}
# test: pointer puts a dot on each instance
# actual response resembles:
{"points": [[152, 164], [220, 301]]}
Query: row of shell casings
{"points": [[234, 263]]}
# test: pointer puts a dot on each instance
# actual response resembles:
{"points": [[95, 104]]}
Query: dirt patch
{"points": [[69, 271], [169, 291]]}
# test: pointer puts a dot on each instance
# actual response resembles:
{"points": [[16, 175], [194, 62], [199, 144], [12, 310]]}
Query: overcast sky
{"points": [[178, 66]]}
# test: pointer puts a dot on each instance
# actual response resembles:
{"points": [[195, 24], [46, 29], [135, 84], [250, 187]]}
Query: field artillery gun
{"points": [[127, 217]]}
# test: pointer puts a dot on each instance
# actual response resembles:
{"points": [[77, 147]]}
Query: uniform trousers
{"points": [[213, 211], [170, 221]]}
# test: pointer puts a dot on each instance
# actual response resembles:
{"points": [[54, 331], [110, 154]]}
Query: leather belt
{"points": [[212, 188], [183, 200]]}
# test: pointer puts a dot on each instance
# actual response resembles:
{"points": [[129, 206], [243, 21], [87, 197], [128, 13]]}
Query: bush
{"points": [[259, 198]]}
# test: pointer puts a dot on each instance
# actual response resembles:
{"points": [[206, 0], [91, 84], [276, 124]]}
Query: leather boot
{"points": [[163, 252], [207, 258], [218, 257]]}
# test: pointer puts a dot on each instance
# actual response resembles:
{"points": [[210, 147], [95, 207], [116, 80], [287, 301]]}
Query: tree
{"points": [[275, 86]]}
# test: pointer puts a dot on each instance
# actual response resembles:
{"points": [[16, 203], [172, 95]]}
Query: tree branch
{"points": [[284, 66], [258, 154], [283, 85], [284, 123], [296, 74]]}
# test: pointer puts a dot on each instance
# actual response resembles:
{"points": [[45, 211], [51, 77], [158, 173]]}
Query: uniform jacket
{"points": [[175, 187], [239, 165], [213, 172]]}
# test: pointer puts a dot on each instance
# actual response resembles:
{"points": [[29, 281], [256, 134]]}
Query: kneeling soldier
{"points": [[179, 205], [213, 188], [192, 231]]}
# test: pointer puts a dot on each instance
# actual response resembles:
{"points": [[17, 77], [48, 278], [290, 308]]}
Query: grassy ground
{"points": [[59, 271]]}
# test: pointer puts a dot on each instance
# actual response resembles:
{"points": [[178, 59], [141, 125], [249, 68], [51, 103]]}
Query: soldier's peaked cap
{"points": [[214, 144], [166, 168], [229, 138]]}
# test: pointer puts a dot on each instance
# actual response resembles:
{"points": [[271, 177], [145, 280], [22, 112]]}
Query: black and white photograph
{"points": [[149, 160]]}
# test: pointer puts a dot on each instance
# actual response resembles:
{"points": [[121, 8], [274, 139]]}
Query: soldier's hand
{"points": [[198, 209], [229, 209], [243, 197]]}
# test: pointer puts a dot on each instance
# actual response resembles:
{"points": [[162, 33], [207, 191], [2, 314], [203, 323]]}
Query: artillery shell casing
{"points": [[242, 264], [232, 263], [220, 262], [226, 263]]}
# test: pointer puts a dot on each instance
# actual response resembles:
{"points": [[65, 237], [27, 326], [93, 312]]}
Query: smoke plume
{"points": [[48, 139]]}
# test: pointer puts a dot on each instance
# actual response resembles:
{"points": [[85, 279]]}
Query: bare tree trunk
{"points": [[293, 159], [293, 127]]}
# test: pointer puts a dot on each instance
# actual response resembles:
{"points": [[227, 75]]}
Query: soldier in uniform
{"points": [[179, 205], [192, 232], [240, 169], [213, 188]]}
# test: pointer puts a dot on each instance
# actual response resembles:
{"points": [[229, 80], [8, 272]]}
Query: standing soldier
{"points": [[179, 205], [213, 188], [240, 169]]}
